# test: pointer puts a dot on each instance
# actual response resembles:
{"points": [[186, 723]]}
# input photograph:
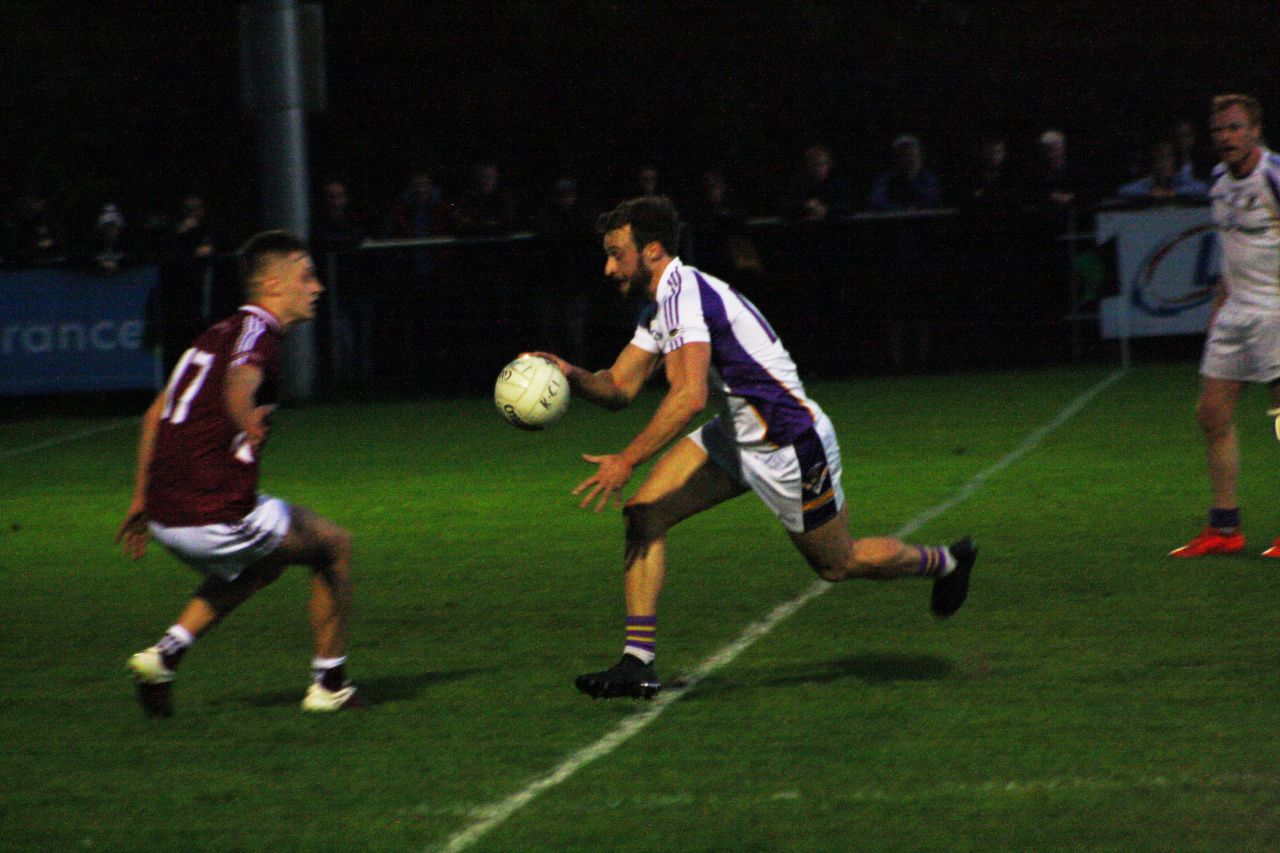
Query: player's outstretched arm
{"points": [[614, 388], [687, 374]]}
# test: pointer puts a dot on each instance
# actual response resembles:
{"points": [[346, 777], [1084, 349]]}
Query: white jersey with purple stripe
{"points": [[763, 397], [1246, 212]]}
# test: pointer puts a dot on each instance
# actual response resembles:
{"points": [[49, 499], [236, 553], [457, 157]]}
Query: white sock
{"points": [[184, 637], [645, 655], [176, 639], [319, 666]]}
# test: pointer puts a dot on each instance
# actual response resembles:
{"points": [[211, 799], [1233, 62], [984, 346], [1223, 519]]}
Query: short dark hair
{"points": [[653, 219], [262, 249], [1250, 104]]}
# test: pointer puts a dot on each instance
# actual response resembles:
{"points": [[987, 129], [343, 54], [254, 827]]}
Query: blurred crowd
{"points": [[1005, 202], [999, 176]]}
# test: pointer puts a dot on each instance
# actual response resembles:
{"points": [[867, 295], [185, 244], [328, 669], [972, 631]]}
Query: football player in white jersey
{"points": [[768, 437], [1243, 344]]}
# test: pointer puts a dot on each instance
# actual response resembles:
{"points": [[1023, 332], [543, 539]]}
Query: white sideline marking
{"points": [[486, 818], [65, 439]]}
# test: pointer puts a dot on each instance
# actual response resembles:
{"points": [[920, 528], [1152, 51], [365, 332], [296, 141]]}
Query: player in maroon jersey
{"points": [[196, 488]]}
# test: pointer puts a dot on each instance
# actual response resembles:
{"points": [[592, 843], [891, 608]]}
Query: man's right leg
{"points": [[1215, 413], [683, 483], [326, 548]]}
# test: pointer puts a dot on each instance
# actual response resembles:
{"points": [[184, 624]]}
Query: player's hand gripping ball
{"points": [[531, 392]]}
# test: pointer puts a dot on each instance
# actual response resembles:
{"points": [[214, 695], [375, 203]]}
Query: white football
{"points": [[531, 392]]}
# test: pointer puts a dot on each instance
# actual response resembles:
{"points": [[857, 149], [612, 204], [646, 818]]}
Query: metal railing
{"points": [[873, 292], [870, 293]]}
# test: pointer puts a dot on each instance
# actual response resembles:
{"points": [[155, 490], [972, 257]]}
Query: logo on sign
{"points": [[1161, 287]]}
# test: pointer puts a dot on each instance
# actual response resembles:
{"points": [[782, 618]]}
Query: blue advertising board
{"points": [[65, 330]]}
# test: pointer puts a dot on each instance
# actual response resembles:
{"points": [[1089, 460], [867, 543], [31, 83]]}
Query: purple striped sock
{"points": [[931, 561], [641, 632]]}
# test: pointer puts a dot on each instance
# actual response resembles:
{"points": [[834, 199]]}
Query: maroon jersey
{"points": [[202, 471]]}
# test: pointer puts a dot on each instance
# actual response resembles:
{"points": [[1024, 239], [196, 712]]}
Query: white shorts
{"points": [[799, 482], [225, 550], [1243, 346]]}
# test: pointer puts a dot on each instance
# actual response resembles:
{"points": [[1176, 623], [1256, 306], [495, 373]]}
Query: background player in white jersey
{"points": [[196, 484], [1243, 344], [769, 437]]}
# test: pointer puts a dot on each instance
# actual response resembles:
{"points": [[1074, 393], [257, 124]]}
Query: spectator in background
{"points": [[909, 305], [1192, 162], [1056, 182], [420, 212], [818, 193], [567, 255], [488, 299], [989, 249], [187, 301], [108, 239], [908, 185], [486, 207], [337, 229], [647, 180], [989, 188], [1165, 181], [193, 236], [718, 240], [37, 234], [712, 204]]}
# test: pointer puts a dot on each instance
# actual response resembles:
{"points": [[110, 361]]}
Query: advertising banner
{"points": [[65, 330], [1168, 264]]}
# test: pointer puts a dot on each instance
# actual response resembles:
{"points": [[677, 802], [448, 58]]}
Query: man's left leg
{"points": [[836, 556], [683, 483], [153, 669]]}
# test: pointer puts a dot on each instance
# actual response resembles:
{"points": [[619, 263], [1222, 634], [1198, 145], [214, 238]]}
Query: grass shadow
{"points": [[872, 668], [376, 690]]}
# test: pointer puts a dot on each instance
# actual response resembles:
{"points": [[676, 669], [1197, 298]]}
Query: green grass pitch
{"points": [[1092, 695]]}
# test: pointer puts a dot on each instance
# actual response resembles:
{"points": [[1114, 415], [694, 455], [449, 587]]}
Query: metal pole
{"points": [[276, 68]]}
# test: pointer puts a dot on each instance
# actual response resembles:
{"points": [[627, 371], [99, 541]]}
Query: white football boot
{"points": [[320, 699], [152, 681], [147, 667]]}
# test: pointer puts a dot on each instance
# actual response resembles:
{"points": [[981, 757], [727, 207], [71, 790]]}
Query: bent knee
{"points": [[832, 568], [832, 573], [338, 545], [644, 522], [1213, 417], [330, 548]]}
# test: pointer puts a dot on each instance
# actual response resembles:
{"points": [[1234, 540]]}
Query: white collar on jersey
{"points": [[669, 273], [259, 311]]}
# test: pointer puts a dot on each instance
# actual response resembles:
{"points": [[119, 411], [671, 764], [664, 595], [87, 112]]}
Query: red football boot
{"points": [[1213, 541]]}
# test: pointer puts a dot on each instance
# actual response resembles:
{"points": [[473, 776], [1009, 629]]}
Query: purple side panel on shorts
{"points": [[817, 492], [784, 416]]}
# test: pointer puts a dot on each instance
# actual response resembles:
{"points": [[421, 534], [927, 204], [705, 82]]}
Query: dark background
{"points": [[140, 101]]}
